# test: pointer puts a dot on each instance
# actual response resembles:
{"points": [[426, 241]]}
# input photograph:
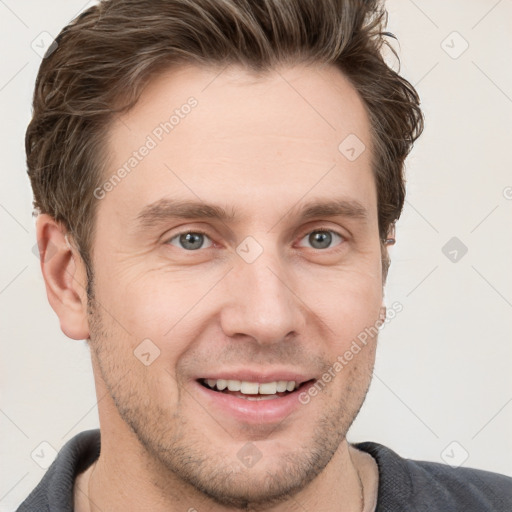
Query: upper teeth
{"points": [[252, 388]]}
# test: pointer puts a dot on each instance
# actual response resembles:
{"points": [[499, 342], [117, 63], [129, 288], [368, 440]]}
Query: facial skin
{"points": [[260, 148]]}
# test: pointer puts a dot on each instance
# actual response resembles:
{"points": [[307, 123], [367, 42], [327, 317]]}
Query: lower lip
{"points": [[258, 412]]}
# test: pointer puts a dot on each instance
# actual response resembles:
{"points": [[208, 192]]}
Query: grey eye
{"points": [[322, 239], [190, 240]]}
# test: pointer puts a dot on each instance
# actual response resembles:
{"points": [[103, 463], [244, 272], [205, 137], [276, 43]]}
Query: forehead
{"points": [[311, 103], [242, 138]]}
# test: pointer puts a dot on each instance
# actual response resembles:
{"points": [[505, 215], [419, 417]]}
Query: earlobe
{"points": [[64, 276]]}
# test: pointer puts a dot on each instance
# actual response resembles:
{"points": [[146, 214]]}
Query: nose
{"points": [[261, 302]]}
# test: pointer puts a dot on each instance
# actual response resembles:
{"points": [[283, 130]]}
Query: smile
{"points": [[252, 390], [252, 402]]}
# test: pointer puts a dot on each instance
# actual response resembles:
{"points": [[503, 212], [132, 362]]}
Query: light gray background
{"points": [[443, 387]]}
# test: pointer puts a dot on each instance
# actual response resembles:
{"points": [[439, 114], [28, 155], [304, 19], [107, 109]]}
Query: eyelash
{"points": [[319, 229]]}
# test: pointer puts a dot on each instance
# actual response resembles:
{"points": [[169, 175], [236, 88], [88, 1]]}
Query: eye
{"points": [[194, 240], [322, 238], [190, 240]]}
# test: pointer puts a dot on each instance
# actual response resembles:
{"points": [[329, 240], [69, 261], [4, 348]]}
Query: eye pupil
{"points": [[324, 239], [195, 239]]}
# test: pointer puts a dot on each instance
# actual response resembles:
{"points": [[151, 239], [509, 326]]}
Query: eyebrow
{"points": [[165, 209]]}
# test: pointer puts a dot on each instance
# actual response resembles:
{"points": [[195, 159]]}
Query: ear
{"points": [[64, 276], [387, 242], [391, 237]]}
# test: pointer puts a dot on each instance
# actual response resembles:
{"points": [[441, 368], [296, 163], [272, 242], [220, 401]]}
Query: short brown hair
{"points": [[102, 60]]}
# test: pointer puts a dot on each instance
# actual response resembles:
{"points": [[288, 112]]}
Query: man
{"points": [[218, 182]]}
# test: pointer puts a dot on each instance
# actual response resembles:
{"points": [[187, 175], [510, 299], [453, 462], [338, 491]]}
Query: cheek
{"points": [[157, 312], [146, 302], [348, 301]]}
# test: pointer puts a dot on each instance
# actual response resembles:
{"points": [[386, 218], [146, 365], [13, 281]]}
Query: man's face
{"points": [[267, 295]]}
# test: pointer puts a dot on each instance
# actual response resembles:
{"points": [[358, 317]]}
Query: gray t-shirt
{"points": [[404, 485]]}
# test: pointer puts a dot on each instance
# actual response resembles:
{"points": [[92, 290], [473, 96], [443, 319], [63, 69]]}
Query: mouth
{"points": [[254, 397], [248, 390]]}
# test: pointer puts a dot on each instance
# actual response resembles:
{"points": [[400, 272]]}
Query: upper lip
{"points": [[259, 376]]}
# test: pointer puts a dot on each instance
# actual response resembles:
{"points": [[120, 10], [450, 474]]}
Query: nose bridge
{"points": [[261, 302]]}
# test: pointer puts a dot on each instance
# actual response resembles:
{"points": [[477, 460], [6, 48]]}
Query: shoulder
{"points": [[406, 484], [55, 490], [467, 488]]}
